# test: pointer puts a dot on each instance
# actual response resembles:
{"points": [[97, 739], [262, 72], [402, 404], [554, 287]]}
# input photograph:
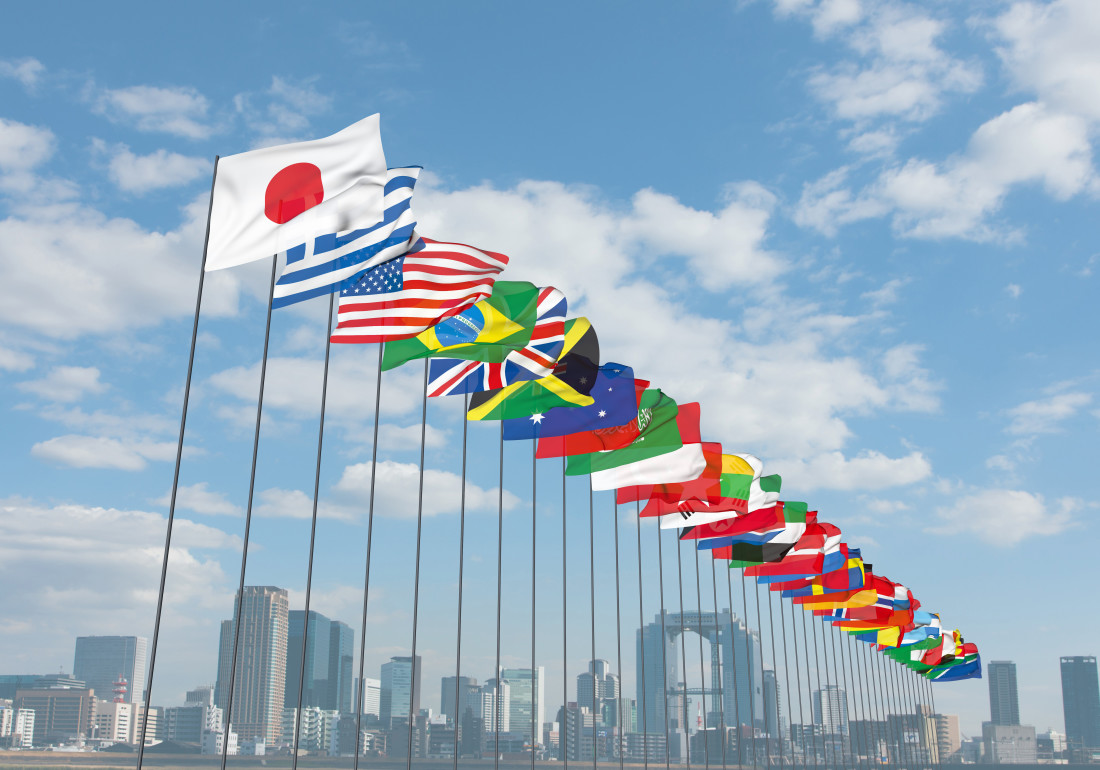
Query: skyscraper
{"points": [[328, 662], [101, 660], [598, 689], [259, 685], [1004, 704], [462, 690], [830, 707], [773, 705], [527, 690], [1081, 703], [397, 696]]}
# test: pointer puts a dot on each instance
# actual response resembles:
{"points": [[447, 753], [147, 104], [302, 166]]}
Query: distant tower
{"points": [[121, 687], [1004, 703], [1081, 703]]}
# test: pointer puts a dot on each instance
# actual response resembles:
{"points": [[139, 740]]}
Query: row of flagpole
{"points": [[891, 697]]}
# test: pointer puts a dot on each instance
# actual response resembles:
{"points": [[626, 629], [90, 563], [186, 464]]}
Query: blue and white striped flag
{"points": [[332, 262]]}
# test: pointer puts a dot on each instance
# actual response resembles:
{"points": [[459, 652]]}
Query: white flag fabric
{"points": [[272, 199], [683, 464]]}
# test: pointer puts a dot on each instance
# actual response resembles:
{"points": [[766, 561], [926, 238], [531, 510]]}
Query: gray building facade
{"points": [[100, 660]]}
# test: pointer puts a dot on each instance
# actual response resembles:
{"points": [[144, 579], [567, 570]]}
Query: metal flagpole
{"points": [[821, 697], [535, 692], [683, 650], [716, 661], [176, 473], [592, 587], [775, 674], [461, 565], [702, 674], [664, 642], [763, 691], [500, 555], [313, 539], [751, 668], [641, 651], [798, 685], [563, 731], [620, 735], [809, 688], [857, 705], [874, 686], [845, 745], [786, 673], [733, 664], [416, 579], [228, 717]]}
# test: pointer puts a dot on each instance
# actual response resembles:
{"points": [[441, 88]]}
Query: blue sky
{"points": [[861, 234]]}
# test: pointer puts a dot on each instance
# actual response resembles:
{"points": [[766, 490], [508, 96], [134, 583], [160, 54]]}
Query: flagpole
{"points": [[717, 659], [641, 653], [775, 675], [836, 688], [857, 705], [702, 673], [821, 697], [787, 674], [798, 684], [620, 735], [873, 684], [763, 690], [809, 692], [752, 672], [500, 557], [416, 580], [176, 476], [592, 588], [461, 566], [313, 535], [534, 497], [664, 634], [370, 532], [563, 730], [733, 664], [228, 716], [840, 675], [683, 651]]}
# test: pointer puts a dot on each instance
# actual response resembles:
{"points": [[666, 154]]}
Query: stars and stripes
{"points": [[331, 262], [403, 297]]}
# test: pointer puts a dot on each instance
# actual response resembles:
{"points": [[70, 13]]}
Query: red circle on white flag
{"points": [[291, 191]]}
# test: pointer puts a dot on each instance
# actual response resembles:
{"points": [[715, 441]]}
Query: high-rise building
{"points": [[100, 660], [1004, 703], [398, 698], [1081, 703], [372, 696], [526, 709], [598, 689], [328, 662], [773, 706], [948, 738], [830, 708], [457, 694], [259, 684], [491, 694]]}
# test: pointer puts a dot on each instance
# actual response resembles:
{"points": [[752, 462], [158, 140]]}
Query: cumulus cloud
{"points": [[15, 360], [200, 499], [157, 170], [180, 111], [23, 147], [283, 111], [28, 71], [102, 452], [1004, 517], [869, 470], [1046, 415], [65, 384]]}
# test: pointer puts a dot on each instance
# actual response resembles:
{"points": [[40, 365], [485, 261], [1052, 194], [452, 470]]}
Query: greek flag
{"points": [[332, 262]]}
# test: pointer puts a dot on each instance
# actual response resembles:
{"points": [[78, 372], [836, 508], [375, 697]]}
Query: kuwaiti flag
{"points": [[334, 261], [268, 200]]}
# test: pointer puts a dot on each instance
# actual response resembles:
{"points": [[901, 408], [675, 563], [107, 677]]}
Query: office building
{"points": [[1081, 705], [948, 737], [372, 696], [496, 706], [527, 691], [60, 715], [1004, 703], [1009, 744], [100, 661], [316, 729], [830, 710], [399, 695], [188, 723], [114, 721], [598, 689], [259, 684], [774, 719], [328, 662], [457, 694]]}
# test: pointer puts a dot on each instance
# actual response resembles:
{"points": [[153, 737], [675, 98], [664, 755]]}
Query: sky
{"points": [[861, 234]]}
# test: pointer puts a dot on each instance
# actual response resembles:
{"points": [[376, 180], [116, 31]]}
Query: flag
{"points": [[332, 262], [615, 403], [450, 376], [573, 378], [683, 464], [759, 519], [487, 331], [741, 490], [267, 200], [406, 295], [597, 439], [664, 426]]}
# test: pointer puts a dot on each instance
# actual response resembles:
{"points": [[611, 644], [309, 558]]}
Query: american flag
{"points": [[405, 296], [449, 376]]}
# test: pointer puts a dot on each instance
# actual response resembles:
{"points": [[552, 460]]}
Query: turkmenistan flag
{"points": [[487, 331], [569, 385], [660, 425]]}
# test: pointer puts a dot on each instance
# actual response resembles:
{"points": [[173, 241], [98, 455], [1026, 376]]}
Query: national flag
{"points": [[602, 439], [744, 550], [848, 577], [268, 200], [450, 376], [332, 262], [763, 518], [683, 464], [487, 331], [676, 497], [615, 395], [406, 295], [573, 378], [741, 490], [663, 424], [808, 557]]}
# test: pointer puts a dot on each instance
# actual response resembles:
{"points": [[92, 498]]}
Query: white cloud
{"points": [[27, 71], [1014, 290], [23, 147], [142, 173], [910, 385], [885, 507], [1046, 415], [200, 499], [15, 360], [65, 384], [102, 452], [397, 437], [282, 113], [1004, 517], [868, 470], [1050, 49], [180, 111], [887, 294]]}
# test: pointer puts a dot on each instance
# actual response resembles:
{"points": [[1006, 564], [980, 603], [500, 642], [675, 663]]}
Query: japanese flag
{"points": [[269, 200]]}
